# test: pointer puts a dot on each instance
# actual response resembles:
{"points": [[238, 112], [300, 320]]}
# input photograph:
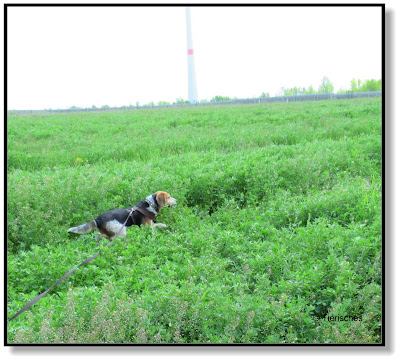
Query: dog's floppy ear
{"points": [[161, 198]]}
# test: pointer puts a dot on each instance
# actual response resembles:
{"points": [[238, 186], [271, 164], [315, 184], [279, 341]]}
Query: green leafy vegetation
{"points": [[277, 227]]}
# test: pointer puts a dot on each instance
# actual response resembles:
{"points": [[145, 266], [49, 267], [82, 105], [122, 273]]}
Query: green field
{"points": [[278, 224]]}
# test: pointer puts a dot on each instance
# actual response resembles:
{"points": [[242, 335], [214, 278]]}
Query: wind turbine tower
{"points": [[192, 86]]}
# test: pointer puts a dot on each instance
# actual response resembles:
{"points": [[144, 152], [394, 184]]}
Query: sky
{"points": [[59, 57]]}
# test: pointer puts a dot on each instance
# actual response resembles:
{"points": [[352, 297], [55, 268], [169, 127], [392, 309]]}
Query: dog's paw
{"points": [[162, 226]]}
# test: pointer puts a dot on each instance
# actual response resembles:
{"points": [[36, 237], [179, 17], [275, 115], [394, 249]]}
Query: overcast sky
{"points": [[60, 57]]}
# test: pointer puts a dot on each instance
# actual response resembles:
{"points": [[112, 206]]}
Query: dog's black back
{"points": [[120, 215]]}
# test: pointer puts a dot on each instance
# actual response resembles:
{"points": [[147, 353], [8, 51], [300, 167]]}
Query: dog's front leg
{"points": [[154, 225]]}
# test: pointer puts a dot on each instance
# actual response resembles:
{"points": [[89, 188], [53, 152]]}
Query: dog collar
{"points": [[152, 203]]}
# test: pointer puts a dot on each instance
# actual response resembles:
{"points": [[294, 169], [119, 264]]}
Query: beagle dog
{"points": [[111, 223]]}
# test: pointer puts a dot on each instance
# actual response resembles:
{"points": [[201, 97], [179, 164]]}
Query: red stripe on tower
{"points": [[190, 51]]}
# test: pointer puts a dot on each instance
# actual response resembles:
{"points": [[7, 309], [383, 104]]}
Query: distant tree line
{"points": [[363, 86], [325, 86]]}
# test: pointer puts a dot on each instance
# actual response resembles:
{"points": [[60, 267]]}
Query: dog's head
{"points": [[164, 199]]}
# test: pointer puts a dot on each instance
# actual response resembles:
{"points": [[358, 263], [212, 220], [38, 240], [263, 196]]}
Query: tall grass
{"points": [[278, 224]]}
